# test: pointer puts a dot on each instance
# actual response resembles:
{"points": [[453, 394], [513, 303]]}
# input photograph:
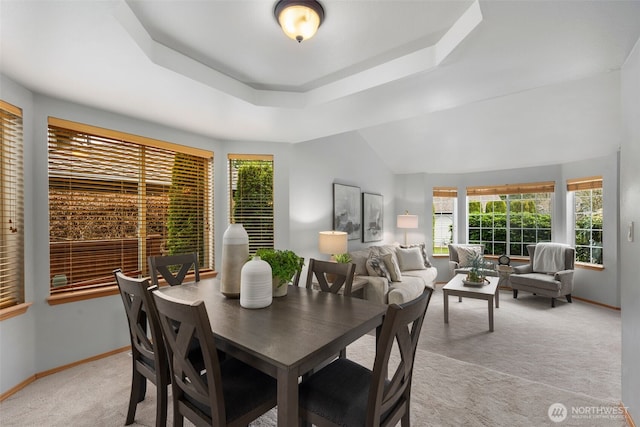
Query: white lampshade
{"points": [[299, 19], [407, 221], [332, 242]]}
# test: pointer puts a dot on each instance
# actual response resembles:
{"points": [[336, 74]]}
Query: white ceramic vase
{"points": [[255, 284], [235, 252]]}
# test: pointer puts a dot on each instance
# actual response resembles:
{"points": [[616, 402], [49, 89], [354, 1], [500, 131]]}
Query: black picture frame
{"points": [[347, 210], [372, 217]]}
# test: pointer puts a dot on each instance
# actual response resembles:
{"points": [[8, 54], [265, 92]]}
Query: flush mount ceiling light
{"points": [[299, 19]]}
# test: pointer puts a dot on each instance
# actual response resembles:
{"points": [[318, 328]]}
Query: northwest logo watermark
{"points": [[558, 412]]}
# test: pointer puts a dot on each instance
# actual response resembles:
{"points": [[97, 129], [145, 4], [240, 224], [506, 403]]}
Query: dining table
{"points": [[287, 339]]}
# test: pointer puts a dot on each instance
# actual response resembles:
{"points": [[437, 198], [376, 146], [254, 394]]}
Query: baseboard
{"points": [[43, 374], [596, 303], [13, 390], [627, 416]]}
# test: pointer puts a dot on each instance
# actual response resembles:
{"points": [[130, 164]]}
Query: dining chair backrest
{"points": [[148, 352], [296, 277], [331, 276], [197, 374], [348, 393], [402, 325], [164, 265]]}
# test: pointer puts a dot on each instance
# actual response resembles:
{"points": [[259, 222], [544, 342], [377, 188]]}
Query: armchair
{"points": [[533, 277], [460, 256]]}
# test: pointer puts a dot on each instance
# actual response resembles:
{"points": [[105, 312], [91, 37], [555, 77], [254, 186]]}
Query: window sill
{"points": [[85, 294], [16, 310], [587, 266], [440, 255]]}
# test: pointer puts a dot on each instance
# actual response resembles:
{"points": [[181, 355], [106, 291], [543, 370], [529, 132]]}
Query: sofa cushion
{"points": [[536, 280], [393, 267], [396, 274], [376, 267], [359, 258], [466, 254], [410, 259], [423, 250]]}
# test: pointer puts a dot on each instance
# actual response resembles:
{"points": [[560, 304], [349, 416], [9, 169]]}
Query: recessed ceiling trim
{"points": [[419, 61]]}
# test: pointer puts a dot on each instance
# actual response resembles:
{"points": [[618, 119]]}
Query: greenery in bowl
{"points": [[476, 271], [284, 263], [342, 258]]}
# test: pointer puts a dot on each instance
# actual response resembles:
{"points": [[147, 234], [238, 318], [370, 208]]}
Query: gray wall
{"points": [[344, 159], [630, 251]]}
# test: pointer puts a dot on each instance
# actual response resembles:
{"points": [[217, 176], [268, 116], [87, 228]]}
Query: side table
{"points": [[504, 271]]}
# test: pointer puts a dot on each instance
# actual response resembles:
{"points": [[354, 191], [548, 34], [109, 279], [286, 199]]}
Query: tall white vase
{"points": [[235, 252], [255, 284]]}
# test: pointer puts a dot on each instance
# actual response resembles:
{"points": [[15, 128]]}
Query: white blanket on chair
{"points": [[549, 257]]}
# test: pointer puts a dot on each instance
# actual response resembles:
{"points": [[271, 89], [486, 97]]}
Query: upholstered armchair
{"points": [[543, 277], [460, 256]]}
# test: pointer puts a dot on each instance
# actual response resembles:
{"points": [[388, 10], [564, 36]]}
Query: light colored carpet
{"points": [[464, 375]]}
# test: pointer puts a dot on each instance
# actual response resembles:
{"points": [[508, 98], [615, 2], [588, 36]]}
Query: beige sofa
{"points": [[396, 274]]}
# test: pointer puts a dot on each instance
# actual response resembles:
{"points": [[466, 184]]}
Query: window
{"points": [[587, 218], [251, 197], [11, 209], [507, 218], [115, 199], [445, 201]]}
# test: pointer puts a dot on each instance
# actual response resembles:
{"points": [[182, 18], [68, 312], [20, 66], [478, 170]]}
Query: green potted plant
{"points": [[476, 274], [342, 258], [284, 265]]}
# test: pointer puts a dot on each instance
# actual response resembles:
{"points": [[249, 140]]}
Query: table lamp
{"points": [[407, 221], [332, 242]]}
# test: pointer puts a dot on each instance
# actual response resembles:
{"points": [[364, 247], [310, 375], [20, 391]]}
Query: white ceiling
{"points": [[433, 86]]}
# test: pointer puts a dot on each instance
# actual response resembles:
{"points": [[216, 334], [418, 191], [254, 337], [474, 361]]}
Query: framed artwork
{"points": [[372, 217], [347, 210]]}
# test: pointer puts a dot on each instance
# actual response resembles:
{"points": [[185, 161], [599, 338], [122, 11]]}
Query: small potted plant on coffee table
{"points": [[476, 275]]}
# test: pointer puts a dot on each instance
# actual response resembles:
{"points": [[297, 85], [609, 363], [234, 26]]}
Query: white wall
{"points": [[344, 159], [630, 251]]}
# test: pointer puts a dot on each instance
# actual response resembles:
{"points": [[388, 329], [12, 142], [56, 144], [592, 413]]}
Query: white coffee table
{"points": [[487, 292]]}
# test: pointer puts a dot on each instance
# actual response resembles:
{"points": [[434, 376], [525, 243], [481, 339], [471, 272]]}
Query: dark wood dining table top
{"points": [[293, 335]]}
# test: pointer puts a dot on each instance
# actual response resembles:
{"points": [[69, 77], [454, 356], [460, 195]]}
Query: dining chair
{"points": [[148, 354], [224, 393], [348, 394], [331, 276], [165, 264]]}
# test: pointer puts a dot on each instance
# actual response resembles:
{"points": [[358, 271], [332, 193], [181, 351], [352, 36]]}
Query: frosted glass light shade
{"points": [[332, 242], [299, 19]]}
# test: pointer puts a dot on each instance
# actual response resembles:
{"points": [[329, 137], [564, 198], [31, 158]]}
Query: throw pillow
{"points": [[423, 250], [467, 253], [410, 259], [394, 267], [376, 267], [359, 258]]}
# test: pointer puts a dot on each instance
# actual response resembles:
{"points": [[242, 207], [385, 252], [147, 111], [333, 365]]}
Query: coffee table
{"points": [[487, 292]]}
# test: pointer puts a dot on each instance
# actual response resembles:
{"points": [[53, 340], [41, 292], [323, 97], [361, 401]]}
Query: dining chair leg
{"points": [[138, 390], [161, 407]]}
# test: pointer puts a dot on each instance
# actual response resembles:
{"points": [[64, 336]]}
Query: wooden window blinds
{"points": [[12, 208], [528, 188], [116, 198], [588, 183], [251, 197]]}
